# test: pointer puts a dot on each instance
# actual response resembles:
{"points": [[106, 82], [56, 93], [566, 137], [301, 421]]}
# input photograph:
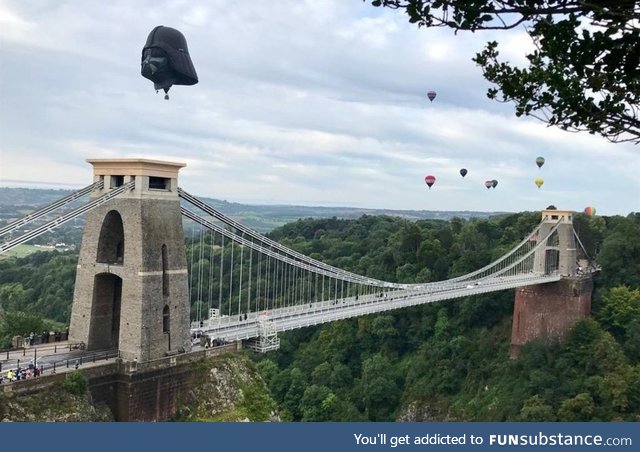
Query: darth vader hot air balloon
{"points": [[166, 61]]}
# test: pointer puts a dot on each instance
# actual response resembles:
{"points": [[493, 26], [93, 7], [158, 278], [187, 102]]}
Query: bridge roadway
{"points": [[289, 318]]}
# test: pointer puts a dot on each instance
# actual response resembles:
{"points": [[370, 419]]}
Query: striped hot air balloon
{"points": [[431, 95], [590, 211]]}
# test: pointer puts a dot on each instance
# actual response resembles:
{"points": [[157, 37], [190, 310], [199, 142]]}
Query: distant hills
{"points": [[15, 202]]}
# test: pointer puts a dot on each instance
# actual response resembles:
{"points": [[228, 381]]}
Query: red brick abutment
{"points": [[549, 311]]}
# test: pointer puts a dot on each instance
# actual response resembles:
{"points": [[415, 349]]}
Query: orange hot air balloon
{"points": [[590, 211], [430, 180], [539, 181]]}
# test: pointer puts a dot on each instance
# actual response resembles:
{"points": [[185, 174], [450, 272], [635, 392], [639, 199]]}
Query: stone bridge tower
{"points": [[549, 311], [559, 253], [131, 290]]}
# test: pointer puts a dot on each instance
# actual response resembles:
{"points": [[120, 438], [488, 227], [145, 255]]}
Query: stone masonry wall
{"points": [[549, 311]]}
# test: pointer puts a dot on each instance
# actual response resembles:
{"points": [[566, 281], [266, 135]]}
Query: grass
{"points": [[23, 250]]}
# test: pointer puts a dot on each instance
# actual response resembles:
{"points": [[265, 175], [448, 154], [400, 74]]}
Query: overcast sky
{"points": [[299, 102]]}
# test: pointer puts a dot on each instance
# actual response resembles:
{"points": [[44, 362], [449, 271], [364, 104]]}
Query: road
{"points": [[58, 356]]}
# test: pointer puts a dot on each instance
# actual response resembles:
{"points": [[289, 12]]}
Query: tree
{"points": [[379, 388], [16, 323], [578, 409], [583, 73], [535, 410], [620, 307], [317, 403], [618, 256]]}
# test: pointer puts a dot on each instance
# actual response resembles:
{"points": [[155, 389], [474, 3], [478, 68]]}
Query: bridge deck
{"points": [[314, 313]]}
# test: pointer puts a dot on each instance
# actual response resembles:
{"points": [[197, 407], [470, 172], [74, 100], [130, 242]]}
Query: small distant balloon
{"points": [[494, 183], [463, 172], [166, 61], [540, 162], [539, 181], [590, 211], [431, 95], [430, 180], [488, 183]]}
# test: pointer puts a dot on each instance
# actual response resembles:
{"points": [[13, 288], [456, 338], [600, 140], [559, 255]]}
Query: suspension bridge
{"points": [[241, 284]]}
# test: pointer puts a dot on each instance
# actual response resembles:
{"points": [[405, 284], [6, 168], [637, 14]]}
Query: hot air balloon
{"points": [[429, 180], [166, 61], [494, 183], [540, 161], [488, 183], [539, 181], [463, 172], [431, 95], [590, 211]]}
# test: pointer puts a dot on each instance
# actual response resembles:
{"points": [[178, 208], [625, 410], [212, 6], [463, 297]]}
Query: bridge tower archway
{"points": [[132, 270], [105, 312]]}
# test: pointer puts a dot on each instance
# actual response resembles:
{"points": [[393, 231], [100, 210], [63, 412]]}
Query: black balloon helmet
{"points": [[166, 61]]}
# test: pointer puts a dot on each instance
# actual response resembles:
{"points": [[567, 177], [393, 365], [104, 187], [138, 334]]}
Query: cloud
{"points": [[298, 102]]}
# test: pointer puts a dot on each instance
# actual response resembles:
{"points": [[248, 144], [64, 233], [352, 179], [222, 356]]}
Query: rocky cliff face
{"points": [[424, 412], [228, 388], [223, 388], [52, 405]]}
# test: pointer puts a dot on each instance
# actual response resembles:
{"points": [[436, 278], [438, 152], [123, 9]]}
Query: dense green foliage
{"points": [[75, 383], [450, 360], [35, 293]]}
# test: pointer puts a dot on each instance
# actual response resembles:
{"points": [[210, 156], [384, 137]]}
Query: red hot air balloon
{"points": [[488, 183], [463, 172], [431, 95], [429, 180], [590, 211]]}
